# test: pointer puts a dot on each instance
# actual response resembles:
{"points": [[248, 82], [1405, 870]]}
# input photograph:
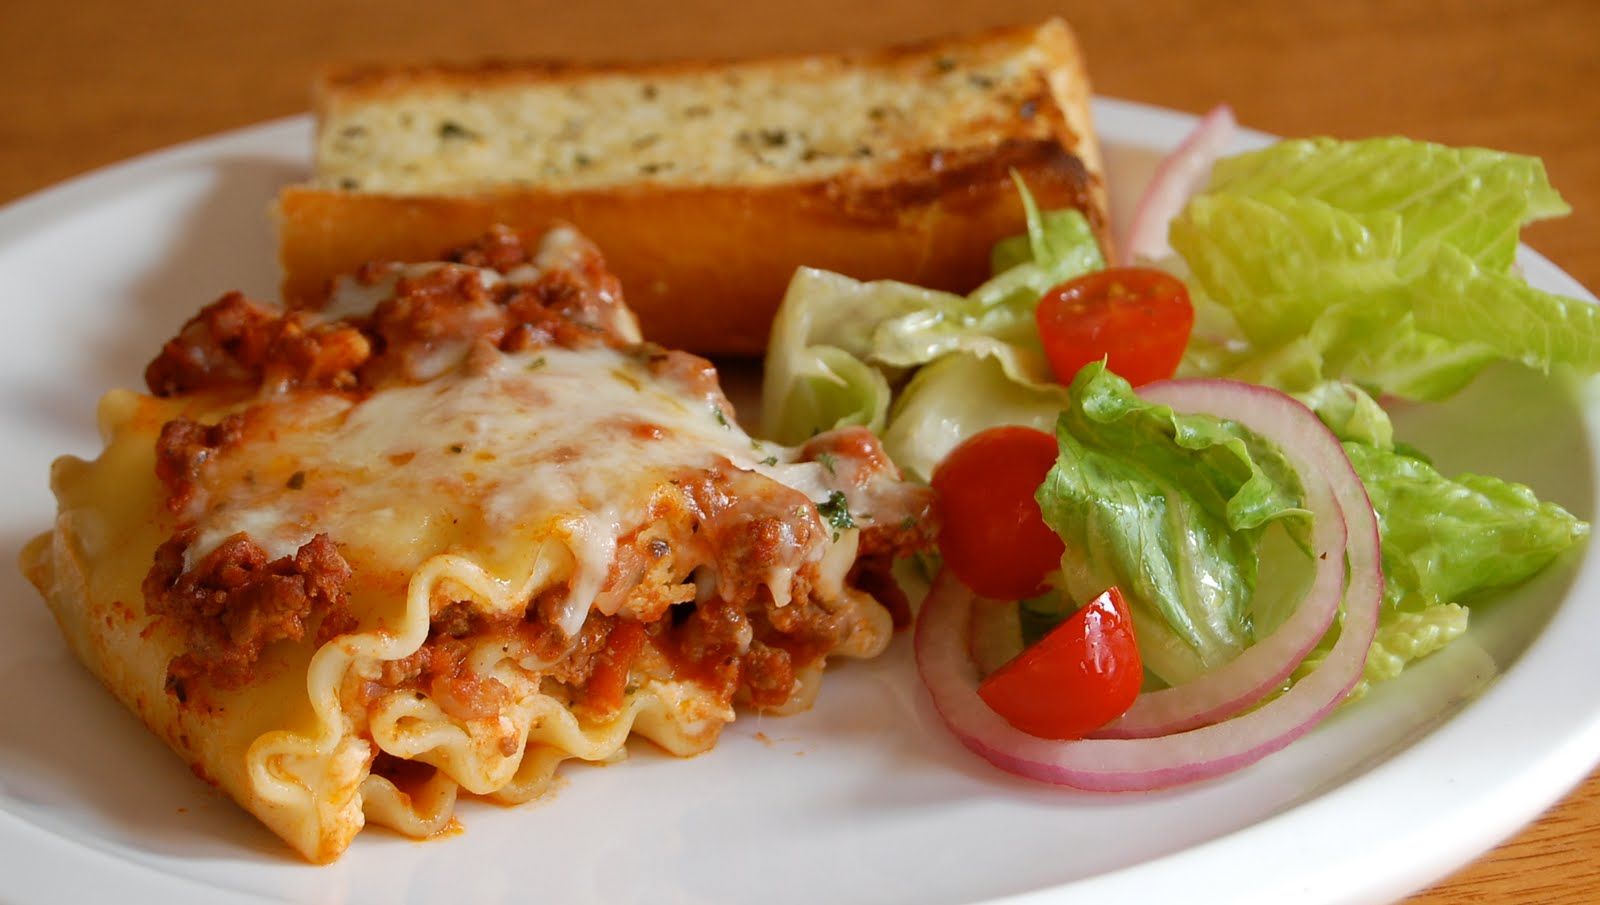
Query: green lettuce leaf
{"points": [[839, 346], [1447, 540], [960, 395], [1277, 261], [1403, 637], [1057, 246], [1473, 199], [1353, 416], [1414, 364], [1461, 301], [1174, 510], [1170, 508], [1385, 262]]}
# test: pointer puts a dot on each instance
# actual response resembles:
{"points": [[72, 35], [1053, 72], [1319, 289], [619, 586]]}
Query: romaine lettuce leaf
{"points": [[1457, 299], [1386, 262], [1352, 415], [1173, 509], [1277, 261], [1446, 540], [1057, 246], [1473, 199], [1414, 364], [1170, 508], [1403, 637]]}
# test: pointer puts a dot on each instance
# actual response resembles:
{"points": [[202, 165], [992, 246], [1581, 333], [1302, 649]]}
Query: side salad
{"points": [[1177, 527]]}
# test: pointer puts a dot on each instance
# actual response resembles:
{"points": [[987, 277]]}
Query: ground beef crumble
{"points": [[235, 601], [183, 447], [236, 343]]}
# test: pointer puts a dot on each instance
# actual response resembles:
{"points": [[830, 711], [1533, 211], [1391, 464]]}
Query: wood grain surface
{"points": [[91, 82]]}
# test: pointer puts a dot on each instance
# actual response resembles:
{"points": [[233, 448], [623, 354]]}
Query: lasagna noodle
{"points": [[489, 487]]}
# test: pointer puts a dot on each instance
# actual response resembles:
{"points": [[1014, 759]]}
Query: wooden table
{"points": [[91, 82]]}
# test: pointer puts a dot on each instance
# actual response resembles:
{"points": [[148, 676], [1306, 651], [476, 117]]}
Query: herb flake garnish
{"points": [[836, 509], [450, 129]]}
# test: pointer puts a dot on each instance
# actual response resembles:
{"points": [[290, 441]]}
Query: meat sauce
{"points": [[239, 344], [736, 641], [235, 601], [732, 651]]}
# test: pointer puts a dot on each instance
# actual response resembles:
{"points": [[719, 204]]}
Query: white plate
{"points": [[867, 797]]}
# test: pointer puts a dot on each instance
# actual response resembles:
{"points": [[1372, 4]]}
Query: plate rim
{"points": [[1437, 839]]}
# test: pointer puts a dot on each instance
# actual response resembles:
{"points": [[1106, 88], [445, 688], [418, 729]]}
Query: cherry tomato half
{"points": [[1136, 318], [1081, 676], [990, 531]]}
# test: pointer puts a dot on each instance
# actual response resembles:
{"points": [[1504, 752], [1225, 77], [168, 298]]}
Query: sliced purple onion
{"points": [[1203, 752], [996, 633], [1179, 176], [1261, 668]]}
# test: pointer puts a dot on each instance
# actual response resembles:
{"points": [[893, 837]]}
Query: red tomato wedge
{"points": [[1081, 676], [991, 533], [1135, 318]]}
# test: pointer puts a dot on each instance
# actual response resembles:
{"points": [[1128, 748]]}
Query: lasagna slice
{"points": [[453, 527]]}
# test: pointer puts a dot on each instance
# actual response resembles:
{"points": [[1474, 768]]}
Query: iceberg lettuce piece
{"points": [[817, 374], [840, 345], [960, 395]]}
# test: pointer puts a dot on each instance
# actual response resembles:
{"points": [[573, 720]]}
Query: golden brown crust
{"points": [[341, 83], [705, 265]]}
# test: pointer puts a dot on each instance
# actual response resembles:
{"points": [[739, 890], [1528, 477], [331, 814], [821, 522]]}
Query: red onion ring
{"points": [[1179, 176], [1262, 667], [996, 633], [1131, 764]]}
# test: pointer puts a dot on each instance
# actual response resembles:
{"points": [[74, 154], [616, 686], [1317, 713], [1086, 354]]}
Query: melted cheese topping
{"points": [[553, 444]]}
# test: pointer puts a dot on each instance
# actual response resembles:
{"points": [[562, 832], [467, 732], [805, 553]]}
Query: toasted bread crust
{"points": [[704, 261], [339, 84], [704, 267]]}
